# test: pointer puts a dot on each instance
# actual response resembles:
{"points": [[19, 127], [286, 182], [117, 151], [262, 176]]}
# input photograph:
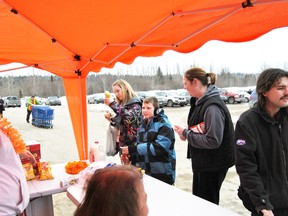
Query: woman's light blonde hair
{"points": [[127, 91]]}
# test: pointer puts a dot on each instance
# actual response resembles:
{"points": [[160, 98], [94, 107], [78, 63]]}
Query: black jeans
{"points": [[207, 184], [28, 115]]}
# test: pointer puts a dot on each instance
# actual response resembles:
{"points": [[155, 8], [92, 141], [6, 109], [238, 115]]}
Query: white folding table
{"points": [[164, 199], [41, 202]]}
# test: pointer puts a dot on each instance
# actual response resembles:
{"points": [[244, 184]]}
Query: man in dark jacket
{"points": [[262, 147]]}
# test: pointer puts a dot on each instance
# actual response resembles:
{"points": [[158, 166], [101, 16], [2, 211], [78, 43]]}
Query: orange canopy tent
{"points": [[72, 38]]}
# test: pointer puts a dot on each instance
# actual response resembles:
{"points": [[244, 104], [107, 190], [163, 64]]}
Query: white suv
{"points": [[12, 101], [172, 98]]}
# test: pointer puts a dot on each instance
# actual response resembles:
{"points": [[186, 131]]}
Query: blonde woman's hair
{"points": [[127, 91]]}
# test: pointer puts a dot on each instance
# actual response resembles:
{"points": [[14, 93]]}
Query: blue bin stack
{"points": [[42, 116]]}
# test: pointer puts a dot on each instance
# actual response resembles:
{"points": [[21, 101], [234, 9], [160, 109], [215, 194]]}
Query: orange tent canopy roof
{"points": [[85, 36], [71, 39]]}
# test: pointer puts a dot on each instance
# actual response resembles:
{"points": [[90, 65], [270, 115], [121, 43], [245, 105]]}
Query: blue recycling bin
{"points": [[42, 116]]}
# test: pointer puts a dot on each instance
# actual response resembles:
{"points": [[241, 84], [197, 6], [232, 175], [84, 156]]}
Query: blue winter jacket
{"points": [[155, 148]]}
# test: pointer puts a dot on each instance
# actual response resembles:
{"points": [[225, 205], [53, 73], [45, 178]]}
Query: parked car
{"points": [[253, 98], [171, 98], [231, 97], [187, 96], [96, 98], [41, 100], [11, 101], [91, 100], [245, 94], [142, 95], [161, 99], [53, 101]]}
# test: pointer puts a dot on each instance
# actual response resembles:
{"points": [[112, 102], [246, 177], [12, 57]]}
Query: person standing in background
{"points": [[29, 104], [127, 113], [2, 108], [261, 137], [155, 149], [210, 134]]}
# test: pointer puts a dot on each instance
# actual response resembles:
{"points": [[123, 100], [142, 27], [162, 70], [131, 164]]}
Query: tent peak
{"points": [[77, 57], [14, 11], [78, 72], [247, 3]]}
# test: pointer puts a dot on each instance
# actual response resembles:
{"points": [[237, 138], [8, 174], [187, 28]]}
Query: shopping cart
{"points": [[42, 116]]}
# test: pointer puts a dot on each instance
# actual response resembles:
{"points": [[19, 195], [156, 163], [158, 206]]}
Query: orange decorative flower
{"points": [[13, 135], [75, 167]]}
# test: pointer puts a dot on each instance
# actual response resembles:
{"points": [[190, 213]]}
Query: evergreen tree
{"points": [[160, 76]]}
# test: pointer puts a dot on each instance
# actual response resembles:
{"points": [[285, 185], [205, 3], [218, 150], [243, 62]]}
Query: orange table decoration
{"points": [[75, 167], [14, 136]]}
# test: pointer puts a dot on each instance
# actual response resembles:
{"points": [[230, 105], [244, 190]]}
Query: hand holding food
{"points": [[108, 115], [107, 99], [107, 94]]}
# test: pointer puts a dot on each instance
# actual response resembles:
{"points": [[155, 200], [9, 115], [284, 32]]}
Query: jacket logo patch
{"points": [[240, 142]]}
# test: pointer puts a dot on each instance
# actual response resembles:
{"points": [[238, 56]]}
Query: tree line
{"points": [[44, 86]]}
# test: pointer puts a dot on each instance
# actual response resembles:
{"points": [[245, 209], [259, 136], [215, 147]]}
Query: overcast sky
{"points": [[269, 50], [247, 57]]}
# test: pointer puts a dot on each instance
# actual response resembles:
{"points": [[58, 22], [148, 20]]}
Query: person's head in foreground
{"points": [[116, 190], [272, 90]]}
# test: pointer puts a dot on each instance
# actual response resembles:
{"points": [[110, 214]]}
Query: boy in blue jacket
{"points": [[155, 149]]}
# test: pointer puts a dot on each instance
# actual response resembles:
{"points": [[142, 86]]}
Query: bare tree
{"points": [[151, 77]]}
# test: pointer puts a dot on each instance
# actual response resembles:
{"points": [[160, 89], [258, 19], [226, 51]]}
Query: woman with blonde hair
{"points": [[127, 109], [127, 92]]}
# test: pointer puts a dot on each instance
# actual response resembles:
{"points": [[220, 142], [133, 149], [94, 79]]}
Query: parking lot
{"points": [[58, 146]]}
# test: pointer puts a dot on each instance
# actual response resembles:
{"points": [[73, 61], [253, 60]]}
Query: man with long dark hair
{"points": [[261, 136]]}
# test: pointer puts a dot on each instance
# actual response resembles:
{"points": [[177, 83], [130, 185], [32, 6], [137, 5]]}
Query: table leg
{"points": [[40, 206]]}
